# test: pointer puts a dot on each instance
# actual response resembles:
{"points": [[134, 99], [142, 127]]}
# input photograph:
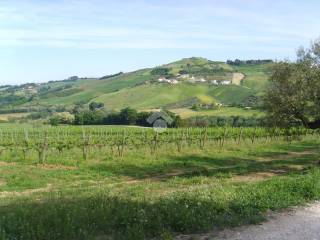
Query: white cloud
{"points": [[146, 24]]}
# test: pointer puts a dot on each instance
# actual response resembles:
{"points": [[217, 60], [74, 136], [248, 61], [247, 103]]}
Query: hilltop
{"points": [[185, 84]]}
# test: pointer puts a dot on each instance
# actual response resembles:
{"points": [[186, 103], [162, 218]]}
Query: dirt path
{"points": [[237, 78], [295, 224]]}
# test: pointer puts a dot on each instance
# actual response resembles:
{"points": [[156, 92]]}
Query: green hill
{"points": [[193, 82]]}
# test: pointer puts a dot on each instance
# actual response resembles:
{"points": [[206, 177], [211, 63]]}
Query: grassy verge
{"points": [[142, 196], [92, 214]]}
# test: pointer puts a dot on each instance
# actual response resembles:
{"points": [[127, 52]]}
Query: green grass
{"points": [[144, 195], [196, 62], [256, 76], [160, 95], [231, 94], [153, 96], [93, 88], [222, 112], [130, 89]]}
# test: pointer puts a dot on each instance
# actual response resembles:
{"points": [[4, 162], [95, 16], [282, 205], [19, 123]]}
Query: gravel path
{"points": [[296, 224]]}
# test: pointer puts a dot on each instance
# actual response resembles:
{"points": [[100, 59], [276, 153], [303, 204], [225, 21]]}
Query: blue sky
{"points": [[42, 40]]}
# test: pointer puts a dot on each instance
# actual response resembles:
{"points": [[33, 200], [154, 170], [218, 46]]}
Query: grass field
{"points": [[256, 76], [160, 95], [8, 116], [145, 195], [222, 112]]}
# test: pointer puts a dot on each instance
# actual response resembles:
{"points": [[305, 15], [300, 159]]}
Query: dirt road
{"points": [[237, 78], [296, 224]]}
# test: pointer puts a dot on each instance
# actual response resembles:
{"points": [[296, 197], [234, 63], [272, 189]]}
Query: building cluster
{"points": [[166, 80], [221, 82], [192, 79]]}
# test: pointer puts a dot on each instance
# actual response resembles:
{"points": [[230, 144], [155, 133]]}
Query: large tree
{"points": [[294, 91]]}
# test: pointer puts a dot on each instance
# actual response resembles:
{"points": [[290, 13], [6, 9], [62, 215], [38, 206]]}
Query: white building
{"points": [[221, 82], [162, 79], [184, 76], [225, 82], [174, 81], [215, 82]]}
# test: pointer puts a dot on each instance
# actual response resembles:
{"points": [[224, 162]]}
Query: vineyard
{"points": [[117, 141], [98, 182]]}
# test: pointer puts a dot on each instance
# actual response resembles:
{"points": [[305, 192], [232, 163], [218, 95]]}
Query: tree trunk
{"points": [[314, 125]]}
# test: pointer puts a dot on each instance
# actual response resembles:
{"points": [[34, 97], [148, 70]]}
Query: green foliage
{"points": [[61, 118], [238, 62], [111, 76], [95, 105], [88, 117], [128, 116], [293, 95], [54, 121], [160, 71]]}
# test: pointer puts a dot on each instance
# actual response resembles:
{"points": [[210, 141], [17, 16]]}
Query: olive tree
{"points": [[294, 91]]}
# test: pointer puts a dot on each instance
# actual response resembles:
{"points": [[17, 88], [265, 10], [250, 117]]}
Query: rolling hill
{"points": [[178, 85]]}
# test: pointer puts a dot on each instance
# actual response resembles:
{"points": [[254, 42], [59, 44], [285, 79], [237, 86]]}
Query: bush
{"points": [[160, 71], [61, 118], [89, 118]]}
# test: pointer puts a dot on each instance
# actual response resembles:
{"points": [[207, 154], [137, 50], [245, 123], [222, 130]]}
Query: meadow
{"points": [[133, 183], [185, 113]]}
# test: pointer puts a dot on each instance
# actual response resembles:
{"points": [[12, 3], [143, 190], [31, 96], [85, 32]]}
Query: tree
{"points": [[160, 71], [89, 118], [54, 121], [95, 105], [142, 119], [128, 116], [293, 96]]}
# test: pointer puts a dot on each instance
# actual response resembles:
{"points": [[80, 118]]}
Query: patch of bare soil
{"points": [[26, 192], [288, 155], [2, 182], [237, 78], [255, 177], [55, 167], [4, 164]]}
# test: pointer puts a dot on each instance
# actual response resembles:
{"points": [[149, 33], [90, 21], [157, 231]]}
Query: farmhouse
{"points": [[215, 82], [174, 81], [221, 82], [225, 82], [170, 81], [162, 79], [183, 76]]}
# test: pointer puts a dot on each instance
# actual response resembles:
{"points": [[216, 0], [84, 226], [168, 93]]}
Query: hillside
{"points": [[181, 84]]}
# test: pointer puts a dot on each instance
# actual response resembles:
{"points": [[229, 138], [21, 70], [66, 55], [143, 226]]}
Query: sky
{"points": [[43, 40]]}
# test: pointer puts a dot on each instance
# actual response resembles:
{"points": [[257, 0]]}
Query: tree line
{"points": [[239, 62], [96, 114]]}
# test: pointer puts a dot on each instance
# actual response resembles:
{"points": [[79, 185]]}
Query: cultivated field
{"points": [[133, 183]]}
